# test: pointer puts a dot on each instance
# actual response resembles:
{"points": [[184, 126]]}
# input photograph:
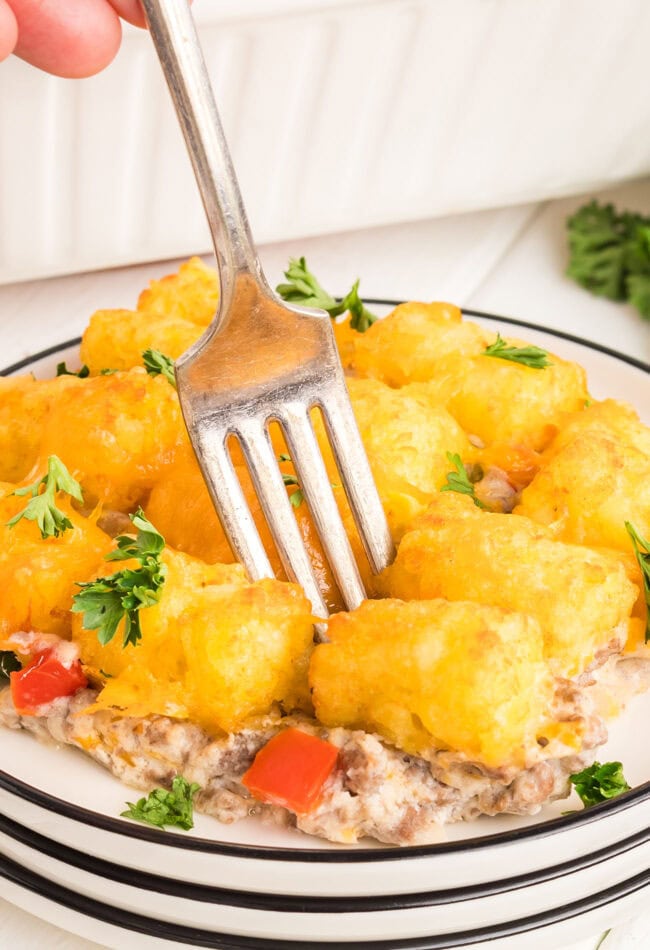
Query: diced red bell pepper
{"points": [[43, 679], [291, 770]]}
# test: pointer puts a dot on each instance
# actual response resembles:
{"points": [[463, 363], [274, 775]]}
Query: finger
{"points": [[130, 10], [8, 30], [70, 38]]}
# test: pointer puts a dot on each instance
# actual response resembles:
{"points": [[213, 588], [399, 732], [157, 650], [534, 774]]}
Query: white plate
{"points": [[444, 912], [59, 794], [111, 925]]}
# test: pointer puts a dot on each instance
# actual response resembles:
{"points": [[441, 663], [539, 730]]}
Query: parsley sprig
{"points": [[598, 783], [62, 370], [303, 288], [163, 807], [42, 508], [107, 601], [532, 356], [610, 254], [459, 480], [296, 497], [156, 364], [642, 552]]}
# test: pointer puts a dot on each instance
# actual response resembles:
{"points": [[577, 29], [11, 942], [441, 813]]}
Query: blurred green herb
{"points": [[296, 497], [62, 370], [610, 254]]}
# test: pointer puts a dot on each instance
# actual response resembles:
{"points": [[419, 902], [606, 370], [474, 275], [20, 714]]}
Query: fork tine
{"points": [[315, 483], [278, 511], [357, 478], [231, 504]]}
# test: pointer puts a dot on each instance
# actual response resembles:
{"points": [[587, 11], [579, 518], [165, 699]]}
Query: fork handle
{"points": [[175, 38]]}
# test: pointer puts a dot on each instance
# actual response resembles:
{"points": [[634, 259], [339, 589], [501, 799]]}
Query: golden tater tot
{"points": [[612, 419], [215, 649], [588, 490], [38, 576], [24, 404], [191, 294], [115, 433], [171, 315], [501, 401], [407, 435], [116, 339], [407, 345], [459, 552], [432, 673]]}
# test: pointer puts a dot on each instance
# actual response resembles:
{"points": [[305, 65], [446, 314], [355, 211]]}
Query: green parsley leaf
{"points": [[9, 663], [62, 370], [360, 317], [459, 480], [610, 254], [531, 356], [296, 497], [42, 507], [156, 364], [642, 553], [163, 807], [106, 601], [598, 783], [303, 288]]}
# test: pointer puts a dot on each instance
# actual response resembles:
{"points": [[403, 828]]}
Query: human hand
{"points": [[71, 38]]}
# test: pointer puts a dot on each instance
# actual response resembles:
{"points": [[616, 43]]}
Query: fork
{"points": [[261, 361]]}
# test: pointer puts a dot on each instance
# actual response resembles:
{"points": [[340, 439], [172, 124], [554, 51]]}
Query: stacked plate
{"points": [[499, 883]]}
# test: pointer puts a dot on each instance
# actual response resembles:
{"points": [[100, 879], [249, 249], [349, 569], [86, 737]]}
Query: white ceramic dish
{"points": [[516, 875]]}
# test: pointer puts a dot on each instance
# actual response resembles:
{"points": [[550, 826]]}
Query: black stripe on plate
{"points": [[285, 903], [194, 936], [357, 855], [341, 855], [30, 360], [374, 301]]}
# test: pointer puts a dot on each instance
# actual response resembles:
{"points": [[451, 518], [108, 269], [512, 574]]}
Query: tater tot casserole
{"points": [[477, 679]]}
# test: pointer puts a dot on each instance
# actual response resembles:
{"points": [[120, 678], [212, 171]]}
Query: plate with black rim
{"points": [[61, 794]]}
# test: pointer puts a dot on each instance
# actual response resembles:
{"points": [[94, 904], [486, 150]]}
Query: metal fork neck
{"points": [[174, 35]]}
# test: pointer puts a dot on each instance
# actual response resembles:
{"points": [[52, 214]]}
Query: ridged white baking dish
{"points": [[340, 113]]}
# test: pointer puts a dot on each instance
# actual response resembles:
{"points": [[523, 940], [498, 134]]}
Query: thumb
{"points": [[8, 30]]}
